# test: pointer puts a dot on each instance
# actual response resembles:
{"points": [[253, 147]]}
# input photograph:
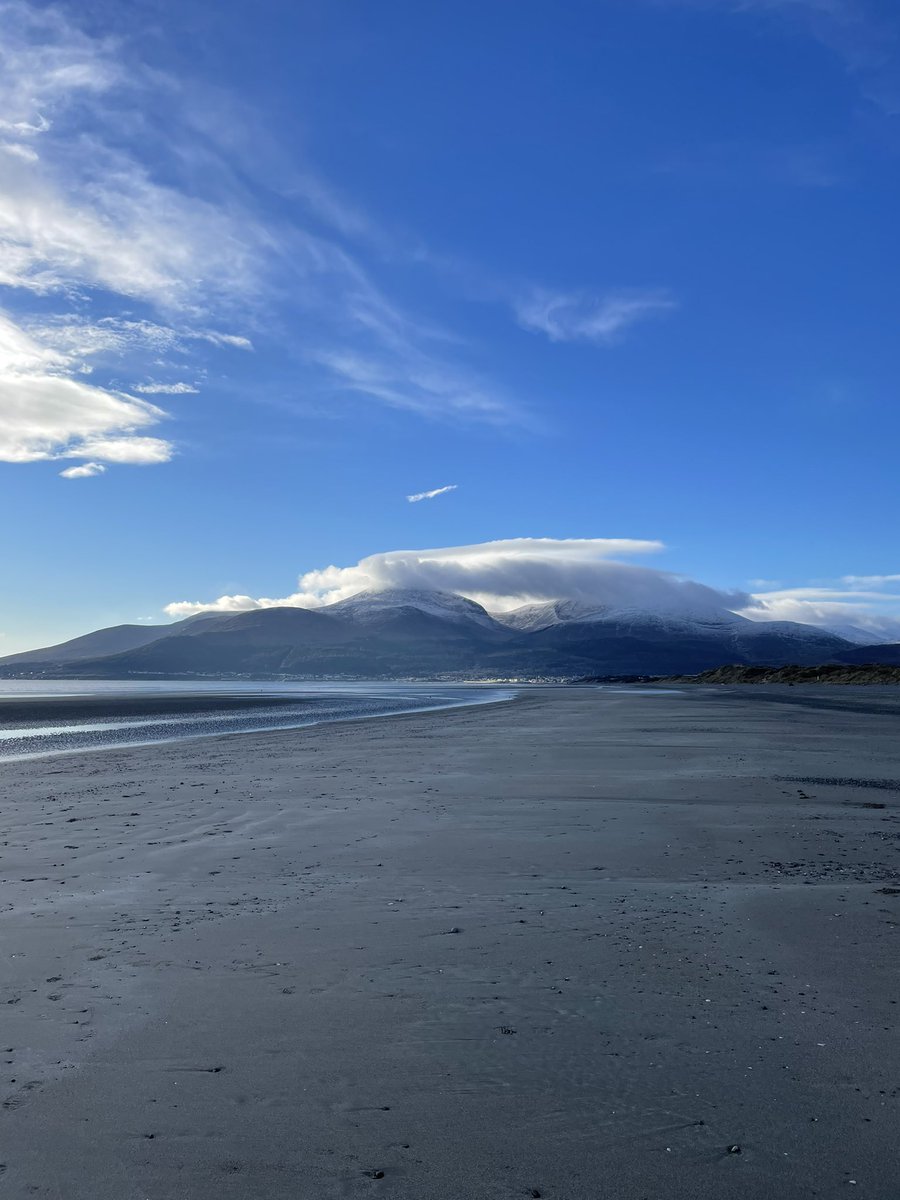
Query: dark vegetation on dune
{"points": [[738, 673], [827, 673]]}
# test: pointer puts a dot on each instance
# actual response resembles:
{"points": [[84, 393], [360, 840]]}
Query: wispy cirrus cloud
{"points": [[580, 316], [103, 207], [416, 497], [415, 382], [82, 206], [143, 217], [166, 389], [83, 223]]}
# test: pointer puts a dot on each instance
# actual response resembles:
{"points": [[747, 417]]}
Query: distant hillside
{"points": [[886, 655], [402, 634], [117, 639]]}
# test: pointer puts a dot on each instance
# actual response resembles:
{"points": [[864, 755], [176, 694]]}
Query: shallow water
{"points": [[40, 717]]}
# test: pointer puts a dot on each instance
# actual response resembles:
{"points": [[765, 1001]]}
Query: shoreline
{"points": [[165, 706], [580, 943]]}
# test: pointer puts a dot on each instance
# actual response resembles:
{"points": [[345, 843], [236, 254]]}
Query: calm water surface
{"points": [[41, 717]]}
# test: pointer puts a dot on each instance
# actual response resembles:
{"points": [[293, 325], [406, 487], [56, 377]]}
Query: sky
{"points": [[521, 299]]}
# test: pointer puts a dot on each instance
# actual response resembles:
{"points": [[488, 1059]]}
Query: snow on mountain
{"points": [[533, 617], [398, 633], [858, 635], [371, 605], [794, 629]]}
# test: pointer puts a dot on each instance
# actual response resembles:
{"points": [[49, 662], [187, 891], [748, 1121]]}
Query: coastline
{"points": [[48, 726], [578, 944]]}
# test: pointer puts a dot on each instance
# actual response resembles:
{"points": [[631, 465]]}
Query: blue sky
{"points": [[612, 270]]}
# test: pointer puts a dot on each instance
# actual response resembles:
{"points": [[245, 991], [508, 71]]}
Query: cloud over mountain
{"points": [[861, 614], [503, 575], [506, 574]]}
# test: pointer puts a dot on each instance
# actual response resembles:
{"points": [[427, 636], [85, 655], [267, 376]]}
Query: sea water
{"points": [[41, 717]]}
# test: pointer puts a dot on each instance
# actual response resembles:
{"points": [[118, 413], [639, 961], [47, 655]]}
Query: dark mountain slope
{"points": [[402, 634], [660, 647], [115, 640], [886, 655], [262, 641]]}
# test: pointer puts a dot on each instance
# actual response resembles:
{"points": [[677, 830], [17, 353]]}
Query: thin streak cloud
{"points": [[441, 491]]}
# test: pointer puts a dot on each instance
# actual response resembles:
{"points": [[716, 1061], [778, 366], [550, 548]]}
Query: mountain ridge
{"points": [[404, 633]]}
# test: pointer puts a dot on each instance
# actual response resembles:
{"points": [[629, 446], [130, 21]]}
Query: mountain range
{"points": [[415, 634]]}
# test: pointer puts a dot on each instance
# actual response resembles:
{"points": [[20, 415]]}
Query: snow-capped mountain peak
{"points": [[533, 617], [446, 605]]}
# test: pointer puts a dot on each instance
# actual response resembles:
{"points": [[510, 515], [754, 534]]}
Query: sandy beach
{"points": [[581, 944]]}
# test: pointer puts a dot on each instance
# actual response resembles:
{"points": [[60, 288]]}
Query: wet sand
{"points": [[577, 945], [27, 710]]}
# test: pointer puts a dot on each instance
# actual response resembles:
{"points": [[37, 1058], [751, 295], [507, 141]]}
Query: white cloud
{"points": [[137, 451], [221, 339], [579, 316], [76, 209], [110, 339], [417, 496], [80, 219], [44, 59], [87, 471], [128, 192], [503, 575], [85, 220], [865, 581], [167, 389], [117, 230], [851, 609], [48, 414]]}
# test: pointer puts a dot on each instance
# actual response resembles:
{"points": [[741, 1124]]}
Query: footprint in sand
{"points": [[20, 1097]]}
